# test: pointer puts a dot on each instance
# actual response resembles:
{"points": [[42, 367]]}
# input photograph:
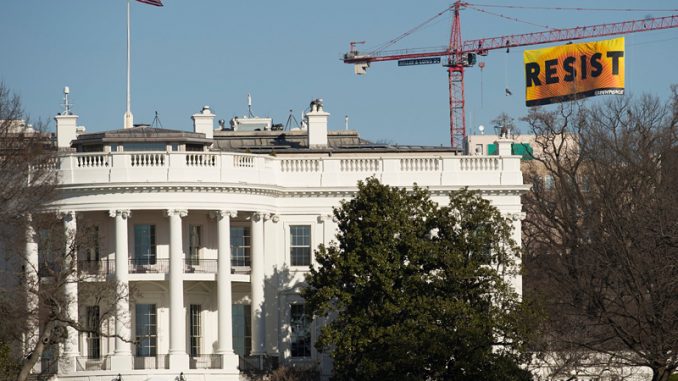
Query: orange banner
{"points": [[574, 71]]}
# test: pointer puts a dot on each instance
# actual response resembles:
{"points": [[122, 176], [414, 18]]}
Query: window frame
{"points": [[195, 329], [152, 255], [244, 260], [305, 337], [294, 258], [193, 254], [93, 316], [151, 328]]}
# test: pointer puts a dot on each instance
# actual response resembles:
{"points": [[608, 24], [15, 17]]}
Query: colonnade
{"points": [[121, 358]]}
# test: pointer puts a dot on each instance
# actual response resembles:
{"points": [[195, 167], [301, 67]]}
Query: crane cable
{"points": [[428, 22], [578, 8], [510, 18], [409, 32]]}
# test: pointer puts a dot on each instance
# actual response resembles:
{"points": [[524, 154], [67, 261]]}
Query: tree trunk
{"points": [[36, 354], [660, 374]]}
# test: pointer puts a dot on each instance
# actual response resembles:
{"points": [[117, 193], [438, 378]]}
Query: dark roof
{"points": [[296, 141], [142, 134]]}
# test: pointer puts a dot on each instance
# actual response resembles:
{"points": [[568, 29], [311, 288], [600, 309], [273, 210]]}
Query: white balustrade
{"points": [[201, 160], [242, 161], [479, 163], [360, 165], [300, 165], [419, 164], [148, 159], [322, 170], [92, 160]]}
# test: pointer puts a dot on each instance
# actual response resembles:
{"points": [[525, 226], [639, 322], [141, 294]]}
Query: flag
{"points": [[157, 3]]}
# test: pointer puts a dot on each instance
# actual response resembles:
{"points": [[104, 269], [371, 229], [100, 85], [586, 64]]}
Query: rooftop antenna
{"points": [[346, 122], [249, 106], [128, 118], [67, 105], [291, 122], [156, 121]]}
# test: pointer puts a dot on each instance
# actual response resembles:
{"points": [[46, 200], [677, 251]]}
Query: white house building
{"points": [[215, 229]]}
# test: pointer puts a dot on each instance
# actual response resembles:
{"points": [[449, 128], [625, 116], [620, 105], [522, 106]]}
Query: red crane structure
{"points": [[462, 54]]}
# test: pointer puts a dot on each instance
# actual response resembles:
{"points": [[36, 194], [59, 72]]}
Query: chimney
{"points": [[66, 124], [504, 146], [66, 130], [317, 125], [203, 122]]}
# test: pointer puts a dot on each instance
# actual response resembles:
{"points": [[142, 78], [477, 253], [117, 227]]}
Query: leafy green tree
{"points": [[417, 291]]}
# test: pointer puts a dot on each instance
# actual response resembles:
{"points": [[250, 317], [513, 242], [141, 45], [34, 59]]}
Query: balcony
{"points": [[289, 171], [198, 265], [106, 266], [144, 266], [97, 267]]}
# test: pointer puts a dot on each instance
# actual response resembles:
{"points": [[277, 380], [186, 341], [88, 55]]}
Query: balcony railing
{"points": [[257, 363], [205, 362], [425, 168], [197, 265], [47, 269], [242, 270], [151, 362], [143, 266], [97, 267]]}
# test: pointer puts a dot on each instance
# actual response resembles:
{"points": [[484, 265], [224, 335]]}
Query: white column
{"points": [[71, 292], [178, 358], [257, 283], [122, 359], [32, 288], [225, 343], [271, 272]]}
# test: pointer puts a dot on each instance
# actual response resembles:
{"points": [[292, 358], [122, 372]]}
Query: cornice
{"points": [[275, 192]]}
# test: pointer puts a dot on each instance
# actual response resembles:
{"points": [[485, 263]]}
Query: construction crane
{"points": [[461, 55]]}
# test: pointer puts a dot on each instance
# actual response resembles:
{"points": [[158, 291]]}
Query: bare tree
{"points": [[39, 256], [602, 234]]}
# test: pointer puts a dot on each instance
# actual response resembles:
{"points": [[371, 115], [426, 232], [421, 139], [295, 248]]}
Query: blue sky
{"points": [[192, 53]]}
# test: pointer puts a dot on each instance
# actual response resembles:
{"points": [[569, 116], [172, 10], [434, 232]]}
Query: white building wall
{"points": [[288, 189]]}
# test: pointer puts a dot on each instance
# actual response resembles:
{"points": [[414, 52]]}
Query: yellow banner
{"points": [[574, 71]]}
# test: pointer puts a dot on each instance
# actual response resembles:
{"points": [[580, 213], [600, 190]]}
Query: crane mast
{"points": [[455, 76], [462, 54]]}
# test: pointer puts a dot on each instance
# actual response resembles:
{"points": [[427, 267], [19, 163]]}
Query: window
{"points": [[242, 329], [194, 244], [240, 246], [147, 330], [144, 244], [300, 245], [89, 245], [93, 337], [194, 324], [131, 147], [301, 331], [479, 149], [50, 249]]}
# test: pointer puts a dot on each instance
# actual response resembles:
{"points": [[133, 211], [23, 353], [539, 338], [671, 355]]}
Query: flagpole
{"points": [[129, 120]]}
